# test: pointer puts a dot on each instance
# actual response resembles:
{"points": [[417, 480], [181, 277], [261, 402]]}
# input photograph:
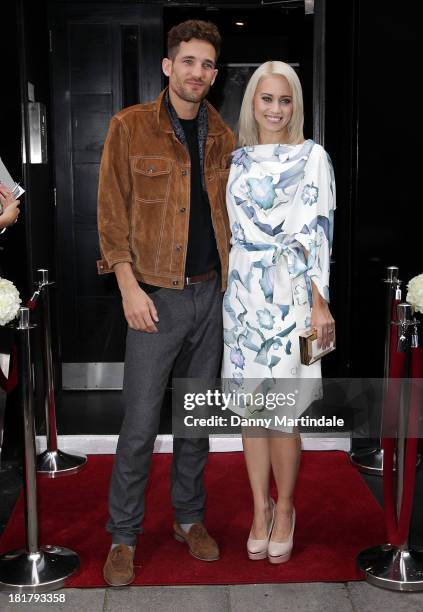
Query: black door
{"points": [[103, 58]]}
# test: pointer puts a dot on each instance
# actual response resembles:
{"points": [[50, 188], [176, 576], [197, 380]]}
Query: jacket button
{"points": [[183, 209], [178, 247], [183, 172], [175, 282]]}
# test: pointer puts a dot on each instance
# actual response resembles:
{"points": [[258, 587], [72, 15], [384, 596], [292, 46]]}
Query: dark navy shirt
{"points": [[202, 254]]}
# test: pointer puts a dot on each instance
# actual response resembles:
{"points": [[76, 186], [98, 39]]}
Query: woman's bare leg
{"points": [[285, 456], [257, 458]]}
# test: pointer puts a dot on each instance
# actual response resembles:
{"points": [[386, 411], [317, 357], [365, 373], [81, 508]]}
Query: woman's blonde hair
{"points": [[248, 132]]}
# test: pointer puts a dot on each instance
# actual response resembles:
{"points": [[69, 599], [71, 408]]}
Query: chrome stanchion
{"points": [[371, 461], [35, 569], [52, 462], [397, 568]]}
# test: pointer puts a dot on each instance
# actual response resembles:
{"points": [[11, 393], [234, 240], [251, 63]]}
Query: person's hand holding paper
{"points": [[10, 191], [9, 207]]}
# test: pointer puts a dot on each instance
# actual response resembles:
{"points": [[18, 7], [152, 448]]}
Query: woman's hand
{"points": [[10, 207], [322, 320]]}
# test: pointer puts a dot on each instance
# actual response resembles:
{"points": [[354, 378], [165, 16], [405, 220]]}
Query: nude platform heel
{"points": [[280, 552], [257, 549]]}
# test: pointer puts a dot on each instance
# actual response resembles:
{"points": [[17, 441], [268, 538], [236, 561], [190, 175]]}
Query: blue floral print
{"points": [[262, 191], [237, 358], [265, 318], [310, 194], [238, 233], [280, 200]]}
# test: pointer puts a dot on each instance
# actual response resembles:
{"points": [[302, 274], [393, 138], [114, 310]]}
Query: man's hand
{"points": [[139, 309]]}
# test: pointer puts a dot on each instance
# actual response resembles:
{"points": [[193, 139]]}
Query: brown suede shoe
{"points": [[201, 545], [119, 567]]}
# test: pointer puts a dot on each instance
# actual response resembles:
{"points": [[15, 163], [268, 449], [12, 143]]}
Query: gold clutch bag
{"points": [[309, 352]]}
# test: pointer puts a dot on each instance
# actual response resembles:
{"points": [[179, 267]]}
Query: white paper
{"points": [[4, 364], [7, 180]]}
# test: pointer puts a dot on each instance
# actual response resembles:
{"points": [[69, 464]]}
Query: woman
{"points": [[280, 199]]}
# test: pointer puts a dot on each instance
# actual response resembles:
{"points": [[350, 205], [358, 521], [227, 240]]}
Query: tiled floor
{"points": [[309, 597]]}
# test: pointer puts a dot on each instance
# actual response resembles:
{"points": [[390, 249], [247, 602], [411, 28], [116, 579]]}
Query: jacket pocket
{"points": [[151, 178]]}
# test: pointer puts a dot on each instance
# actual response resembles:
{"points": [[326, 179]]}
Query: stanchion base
{"points": [[393, 568], [57, 463], [45, 570], [370, 462]]}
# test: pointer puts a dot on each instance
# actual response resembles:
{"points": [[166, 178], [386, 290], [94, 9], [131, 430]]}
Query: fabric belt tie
{"points": [[288, 267], [287, 258]]}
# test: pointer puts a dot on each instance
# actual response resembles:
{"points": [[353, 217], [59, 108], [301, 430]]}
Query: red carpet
{"points": [[337, 517]]}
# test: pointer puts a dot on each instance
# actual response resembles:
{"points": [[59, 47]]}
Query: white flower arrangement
{"points": [[9, 301], [415, 293]]}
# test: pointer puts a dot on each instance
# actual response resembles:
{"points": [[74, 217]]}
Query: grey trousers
{"points": [[189, 341]]}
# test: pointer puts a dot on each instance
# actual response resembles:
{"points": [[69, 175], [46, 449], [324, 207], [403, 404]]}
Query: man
{"points": [[164, 232]]}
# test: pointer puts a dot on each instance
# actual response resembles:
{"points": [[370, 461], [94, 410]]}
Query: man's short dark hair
{"points": [[193, 28]]}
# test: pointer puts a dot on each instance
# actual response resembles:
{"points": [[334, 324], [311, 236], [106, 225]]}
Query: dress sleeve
{"points": [[311, 217]]}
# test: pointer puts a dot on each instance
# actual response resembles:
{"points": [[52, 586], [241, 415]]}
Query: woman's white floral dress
{"points": [[280, 198]]}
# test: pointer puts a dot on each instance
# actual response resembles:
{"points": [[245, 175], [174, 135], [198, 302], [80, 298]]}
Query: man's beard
{"points": [[187, 95]]}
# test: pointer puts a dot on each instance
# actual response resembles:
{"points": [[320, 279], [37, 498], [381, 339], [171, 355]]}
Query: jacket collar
{"points": [[216, 124]]}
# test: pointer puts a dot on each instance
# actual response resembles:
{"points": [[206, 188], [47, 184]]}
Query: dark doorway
{"points": [[105, 58], [251, 36]]}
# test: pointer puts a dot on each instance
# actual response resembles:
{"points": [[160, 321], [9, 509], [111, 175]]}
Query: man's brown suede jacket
{"points": [[144, 193]]}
